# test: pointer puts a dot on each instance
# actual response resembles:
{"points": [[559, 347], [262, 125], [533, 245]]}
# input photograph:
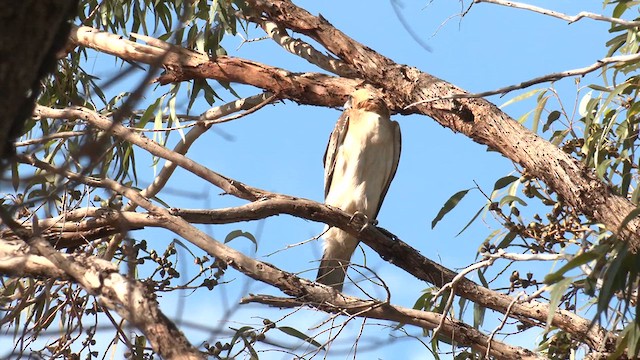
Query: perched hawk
{"points": [[359, 164]]}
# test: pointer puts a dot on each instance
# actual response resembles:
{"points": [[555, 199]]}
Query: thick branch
{"points": [[182, 64]]}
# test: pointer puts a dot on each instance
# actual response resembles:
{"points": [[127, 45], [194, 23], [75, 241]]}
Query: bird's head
{"points": [[364, 99]]}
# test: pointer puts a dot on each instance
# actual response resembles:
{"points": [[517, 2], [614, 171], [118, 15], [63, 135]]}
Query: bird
{"points": [[360, 162]]}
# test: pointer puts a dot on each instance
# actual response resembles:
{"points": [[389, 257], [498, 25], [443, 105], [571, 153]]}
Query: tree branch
{"points": [[569, 18], [390, 248], [182, 64], [478, 119], [130, 299], [302, 49], [463, 334]]}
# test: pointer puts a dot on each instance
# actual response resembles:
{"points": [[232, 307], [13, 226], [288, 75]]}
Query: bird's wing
{"points": [[397, 147], [335, 140]]}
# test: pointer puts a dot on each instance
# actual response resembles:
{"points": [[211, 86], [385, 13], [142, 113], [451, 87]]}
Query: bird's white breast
{"points": [[363, 164]]}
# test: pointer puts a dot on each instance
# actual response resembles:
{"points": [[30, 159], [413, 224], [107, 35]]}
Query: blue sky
{"points": [[280, 149]]}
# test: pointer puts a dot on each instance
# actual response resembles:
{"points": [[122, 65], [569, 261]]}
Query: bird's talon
{"points": [[359, 216]]}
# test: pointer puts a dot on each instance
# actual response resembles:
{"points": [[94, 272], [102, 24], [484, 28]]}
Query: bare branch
{"points": [[463, 334], [501, 254], [569, 18], [183, 64], [46, 138], [305, 50], [621, 59]]}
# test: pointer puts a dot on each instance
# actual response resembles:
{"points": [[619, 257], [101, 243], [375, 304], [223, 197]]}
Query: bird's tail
{"points": [[332, 270]]}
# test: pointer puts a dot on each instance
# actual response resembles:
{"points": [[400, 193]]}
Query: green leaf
{"points": [[15, 176], [583, 106], [553, 116], [521, 97], [181, 244], [300, 335], [632, 215], [482, 279], [502, 182], [448, 206], [598, 88], [239, 233], [478, 315], [510, 199], [542, 102], [602, 168], [555, 295], [506, 241], [239, 333], [471, 221], [571, 264], [612, 279]]}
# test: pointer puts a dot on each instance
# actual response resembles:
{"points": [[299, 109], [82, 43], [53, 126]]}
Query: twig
{"points": [[451, 285], [502, 323], [384, 311], [44, 139], [569, 18], [545, 78], [501, 254]]}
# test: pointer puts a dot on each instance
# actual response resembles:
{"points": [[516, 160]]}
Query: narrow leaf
{"points": [[300, 335], [555, 295], [448, 206], [502, 182], [510, 199], [470, 221], [239, 233]]}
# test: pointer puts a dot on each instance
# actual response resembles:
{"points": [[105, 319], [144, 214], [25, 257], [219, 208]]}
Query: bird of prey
{"points": [[360, 162]]}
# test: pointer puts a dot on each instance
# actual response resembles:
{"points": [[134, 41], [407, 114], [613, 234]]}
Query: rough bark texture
{"points": [[31, 33], [478, 119]]}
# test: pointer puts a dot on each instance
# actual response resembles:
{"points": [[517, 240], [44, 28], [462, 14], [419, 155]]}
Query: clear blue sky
{"points": [[280, 149]]}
